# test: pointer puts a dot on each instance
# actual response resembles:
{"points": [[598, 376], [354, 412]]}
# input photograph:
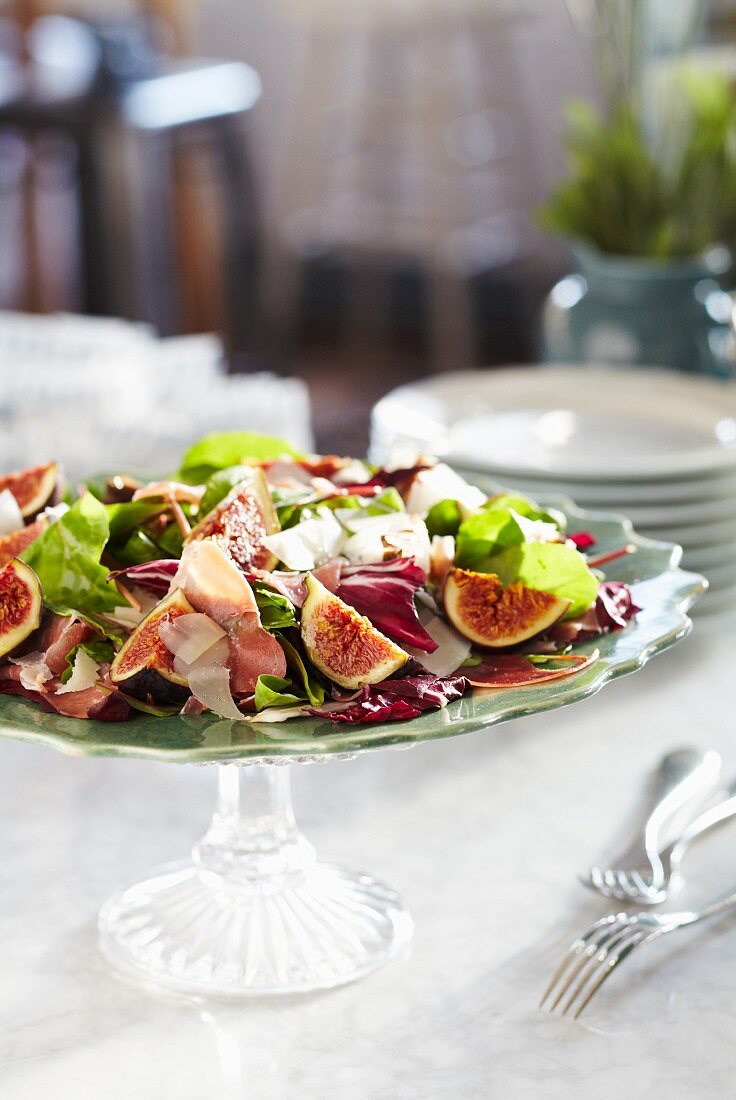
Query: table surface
{"points": [[482, 834]]}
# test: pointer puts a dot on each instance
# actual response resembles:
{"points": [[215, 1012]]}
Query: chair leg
{"points": [[242, 245], [97, 292]]}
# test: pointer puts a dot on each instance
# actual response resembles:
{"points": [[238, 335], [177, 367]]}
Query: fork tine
{"points": [[576, 948], [629, 947], [630, 890], [609, 879], [596, 960], [594, 881], [579, 963], [641, 885]]}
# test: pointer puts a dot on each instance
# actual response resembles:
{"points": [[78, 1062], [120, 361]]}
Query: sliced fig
{"points": [[33, 489], [14, 544], [120, 488], [481, 609], [240, 521], [21, 605], [344, 645], [144, 667]]}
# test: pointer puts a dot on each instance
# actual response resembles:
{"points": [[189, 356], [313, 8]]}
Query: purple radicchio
{"points": [[152, 576], [384, 592], [396, 700]]}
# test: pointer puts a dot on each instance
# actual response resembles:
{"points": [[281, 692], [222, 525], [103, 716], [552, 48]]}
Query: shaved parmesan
{"points": [[452, 648], [440, 482], [189, 636], [10, 514], [308, 544], [33, 670], [396, 534], [536, 530], [210, 684], [84, 674]]}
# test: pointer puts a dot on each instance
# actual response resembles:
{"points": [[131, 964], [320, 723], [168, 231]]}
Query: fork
{"points": [[593, 957], [681, 781], [671, 856]]}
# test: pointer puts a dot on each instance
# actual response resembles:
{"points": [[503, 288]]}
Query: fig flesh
{"points": [[21, 605], [33, 489], [144, 667], [240, 521], [481, 609], [344, 645], [14, 544]]}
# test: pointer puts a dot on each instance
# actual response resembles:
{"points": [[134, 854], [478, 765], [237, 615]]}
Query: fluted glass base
{"points": [[252, 912]]}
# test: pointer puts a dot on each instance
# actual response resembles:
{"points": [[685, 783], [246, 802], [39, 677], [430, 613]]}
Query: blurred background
{"points": [[345, 192]]}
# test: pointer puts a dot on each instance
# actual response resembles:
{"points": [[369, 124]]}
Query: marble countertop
{"points": [[482, 834]]}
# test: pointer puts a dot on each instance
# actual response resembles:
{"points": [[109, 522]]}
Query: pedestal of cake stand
{"points": [[253, 911]]}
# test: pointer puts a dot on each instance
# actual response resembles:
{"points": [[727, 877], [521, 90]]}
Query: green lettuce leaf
{"points": [[523, 506], [444, 518], [66, 559], [550, 567], [224, 449], [311, 683], [170, 542], [483, 535], [138, 549], [276, 611], [272, 691], [123, 519]]}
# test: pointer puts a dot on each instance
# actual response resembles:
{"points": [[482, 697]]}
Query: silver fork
{"points": [[593, 957], [681, 781], [671, 856]]}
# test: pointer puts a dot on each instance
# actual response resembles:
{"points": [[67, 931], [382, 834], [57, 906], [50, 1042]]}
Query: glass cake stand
{"points": [[253, 911]]}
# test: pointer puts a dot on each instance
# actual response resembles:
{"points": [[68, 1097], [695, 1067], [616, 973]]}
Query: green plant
{"points": [[662, 195]]}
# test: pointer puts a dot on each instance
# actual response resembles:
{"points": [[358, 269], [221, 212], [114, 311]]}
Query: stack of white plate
{"points": [[656, 446]]}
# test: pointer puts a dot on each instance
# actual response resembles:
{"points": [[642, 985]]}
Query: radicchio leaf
{"points": [[615, 605], [396, 700], [384, 592], [152, 576], [583, 539]]}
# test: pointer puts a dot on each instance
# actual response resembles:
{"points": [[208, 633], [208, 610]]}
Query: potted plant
{"points": [[649, 210]]}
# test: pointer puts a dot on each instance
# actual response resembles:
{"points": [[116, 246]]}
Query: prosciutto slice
{"points": [[58, 636], [95, 702], [510, 670], [214, 586]]}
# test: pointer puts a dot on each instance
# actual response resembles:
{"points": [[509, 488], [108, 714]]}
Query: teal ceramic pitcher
{"points": [[621, 309]]}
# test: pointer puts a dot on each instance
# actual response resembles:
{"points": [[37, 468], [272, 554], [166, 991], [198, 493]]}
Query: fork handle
{"points": [[679, 777], [716, 815]]}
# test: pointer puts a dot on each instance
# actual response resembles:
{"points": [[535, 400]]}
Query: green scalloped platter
{"points": [[661, 589]]}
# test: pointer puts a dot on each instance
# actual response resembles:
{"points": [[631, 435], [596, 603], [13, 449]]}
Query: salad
{"points": [[260, 584]]}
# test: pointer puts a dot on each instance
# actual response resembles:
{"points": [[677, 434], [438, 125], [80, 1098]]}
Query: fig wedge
{"points": [[344, 645], [144, 667], [240, 521], [481, 609], [14, 544], [33, 489], [21, 605]]}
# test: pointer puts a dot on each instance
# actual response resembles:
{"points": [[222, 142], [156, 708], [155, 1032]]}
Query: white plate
{"points": [[704, 558], [571, 422], [669, 515], [695, 535], [620, 494], [723, 576]]}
